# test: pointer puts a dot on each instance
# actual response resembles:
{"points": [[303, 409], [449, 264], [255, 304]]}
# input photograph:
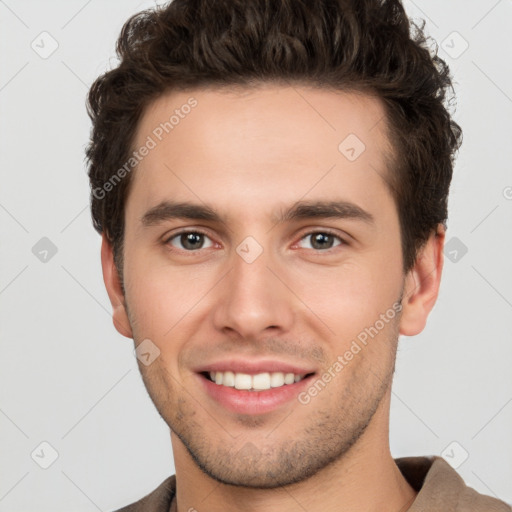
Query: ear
{"points": [[422, 284], [114, 290]]}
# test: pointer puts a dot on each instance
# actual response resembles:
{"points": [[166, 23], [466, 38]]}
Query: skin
{"points": [[250, 155]]}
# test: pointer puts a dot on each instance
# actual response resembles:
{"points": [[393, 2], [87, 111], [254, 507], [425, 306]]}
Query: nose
{"points": [[253, 299]]}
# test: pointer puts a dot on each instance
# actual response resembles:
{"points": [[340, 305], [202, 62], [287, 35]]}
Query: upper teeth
{"points": [[260, 381]]}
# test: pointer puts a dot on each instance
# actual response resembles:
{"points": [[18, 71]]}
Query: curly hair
{"points": [[369, 46]]}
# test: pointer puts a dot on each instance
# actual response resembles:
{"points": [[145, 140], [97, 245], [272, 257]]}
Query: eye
{"points": [[190, 240], [321, 240]]}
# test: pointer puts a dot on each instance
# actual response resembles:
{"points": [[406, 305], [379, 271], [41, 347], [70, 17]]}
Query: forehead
{"points": [[281, 142]]}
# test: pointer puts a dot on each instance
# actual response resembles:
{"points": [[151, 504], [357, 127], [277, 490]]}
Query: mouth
{"points": [[253, 393], [254, 382]]}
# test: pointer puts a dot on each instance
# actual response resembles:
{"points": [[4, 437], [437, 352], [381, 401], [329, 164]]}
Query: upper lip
{"points": [[254, 367]]}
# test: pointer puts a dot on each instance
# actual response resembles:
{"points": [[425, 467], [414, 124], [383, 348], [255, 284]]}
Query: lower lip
{"points": [[253, 402]]}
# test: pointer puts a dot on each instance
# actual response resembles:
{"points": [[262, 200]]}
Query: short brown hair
{"points": [[360, 45]]}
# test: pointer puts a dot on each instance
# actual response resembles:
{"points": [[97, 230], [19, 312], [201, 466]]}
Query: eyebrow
{"points": [[168, 210]]}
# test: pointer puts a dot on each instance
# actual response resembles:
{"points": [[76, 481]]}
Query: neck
{"points": [[365, 478]]}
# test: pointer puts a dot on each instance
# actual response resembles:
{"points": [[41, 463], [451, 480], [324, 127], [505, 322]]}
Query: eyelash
{"points": [[307, 234]]}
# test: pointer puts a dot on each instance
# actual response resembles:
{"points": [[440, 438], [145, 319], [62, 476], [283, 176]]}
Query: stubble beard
{"points": [[291, 453]]}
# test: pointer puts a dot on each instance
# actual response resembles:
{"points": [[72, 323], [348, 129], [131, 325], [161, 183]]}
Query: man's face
{"points": [[258, 291]]}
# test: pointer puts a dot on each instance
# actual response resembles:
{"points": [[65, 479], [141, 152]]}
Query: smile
{"points": [[256, 393], [257, 382]]}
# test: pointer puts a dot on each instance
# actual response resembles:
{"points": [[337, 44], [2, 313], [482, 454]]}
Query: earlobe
{"points": [[422, 285], [114, 290]]}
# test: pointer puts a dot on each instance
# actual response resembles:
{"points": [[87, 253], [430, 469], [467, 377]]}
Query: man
{"points": [[270, 180]]}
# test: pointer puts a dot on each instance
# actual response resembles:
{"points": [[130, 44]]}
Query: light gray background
{"points": [[69, 379]]}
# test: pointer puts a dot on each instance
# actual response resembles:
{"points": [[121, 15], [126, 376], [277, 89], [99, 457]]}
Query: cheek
{"points": [[351, 294], [162, 297], [351, 297]]}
